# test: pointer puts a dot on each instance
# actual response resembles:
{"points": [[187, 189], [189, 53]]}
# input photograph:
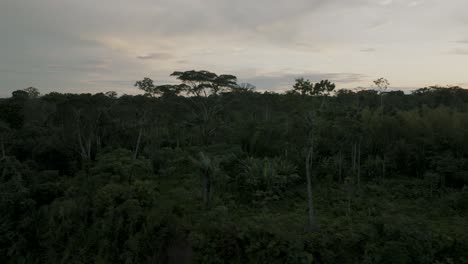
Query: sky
{"points": [[98, 46]]}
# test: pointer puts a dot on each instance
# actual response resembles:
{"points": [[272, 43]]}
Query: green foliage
{"points": [[119, 166], [303, 87], [306, 87], [389, 185], [262, 180], [324, 87]]}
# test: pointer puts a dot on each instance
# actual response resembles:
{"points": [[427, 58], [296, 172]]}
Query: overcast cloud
{"points": [[93, 46]]}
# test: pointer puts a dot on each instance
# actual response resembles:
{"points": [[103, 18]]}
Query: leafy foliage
{"points": [[218, 175]]}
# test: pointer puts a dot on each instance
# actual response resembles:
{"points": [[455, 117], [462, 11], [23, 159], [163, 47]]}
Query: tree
{"points": [[205, 83], [32, 92], [12, 112], [324, 88], [199, 85], [244, 87], [141, 123], [306, 87], [310, 123], [150, 89], [303, 87], [224, 83], [111, 94], [382, 86], [147, 85], [20, 95]]}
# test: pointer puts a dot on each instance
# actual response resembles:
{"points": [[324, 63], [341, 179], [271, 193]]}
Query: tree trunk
{"points": [[381, 101], [340, 166], [98, 144], [353, 158], [359, 166], [88, 153], [137, 146], [349, 191], [82, 148], [309, 188]]}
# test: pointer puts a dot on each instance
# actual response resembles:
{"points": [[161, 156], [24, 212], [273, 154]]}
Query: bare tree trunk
{"points": [[359, 166], [309, 187], [340, 163], [85, 147], [381, 101], [353, 157], [82, 148], [349, 191], [88, 151], [349, 195], [137, 146]]}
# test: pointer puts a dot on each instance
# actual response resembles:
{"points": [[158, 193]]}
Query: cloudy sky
{"points": [[102, 45]]}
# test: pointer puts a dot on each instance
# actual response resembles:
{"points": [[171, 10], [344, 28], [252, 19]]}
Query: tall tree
{"points": [[205, 83], [382, 86], [310, 122], [199, 85]]}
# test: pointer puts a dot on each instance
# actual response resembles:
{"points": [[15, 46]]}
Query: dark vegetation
{"points": [[209, 171]]}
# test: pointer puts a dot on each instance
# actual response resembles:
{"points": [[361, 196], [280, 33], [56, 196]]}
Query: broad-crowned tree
{"points": [[147, 85], [205, 83], [199, 85]]}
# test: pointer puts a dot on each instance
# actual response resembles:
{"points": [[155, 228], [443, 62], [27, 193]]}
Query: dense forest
{"points": [[210, 171]]}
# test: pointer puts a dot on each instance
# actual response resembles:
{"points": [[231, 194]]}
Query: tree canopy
{"points": [[211, 171]]}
